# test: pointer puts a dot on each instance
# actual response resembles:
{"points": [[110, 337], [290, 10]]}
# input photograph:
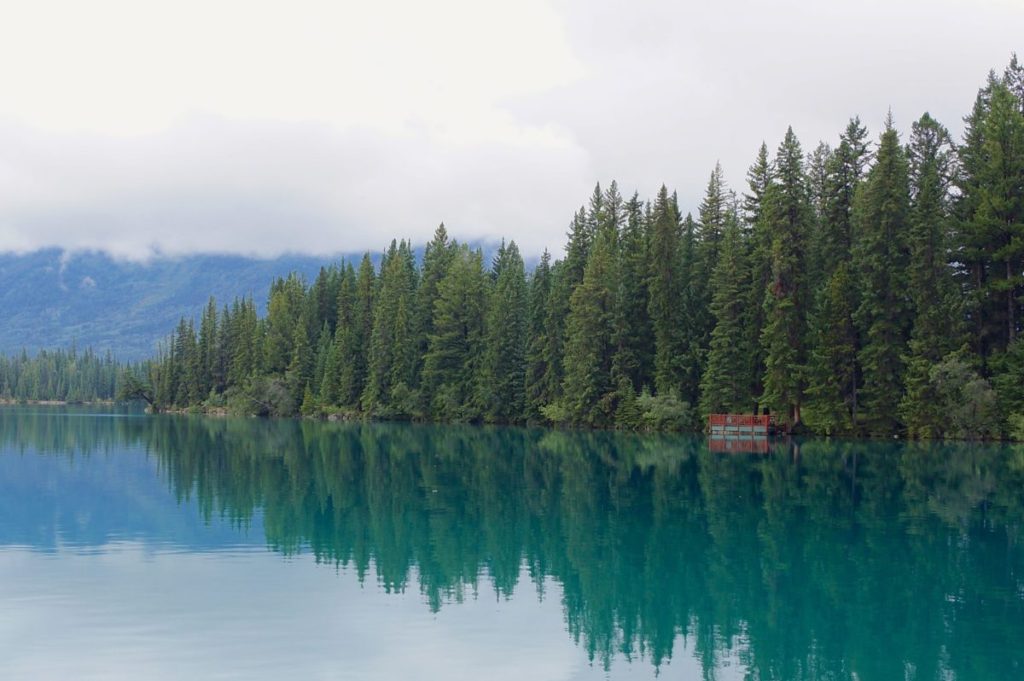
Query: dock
{"points": [[735, 433]]}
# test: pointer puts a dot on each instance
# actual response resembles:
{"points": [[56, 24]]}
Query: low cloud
{"points": [[368, 122]]}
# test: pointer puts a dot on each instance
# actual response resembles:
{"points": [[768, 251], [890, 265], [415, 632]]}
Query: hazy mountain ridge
{"points": [[49, 299]]}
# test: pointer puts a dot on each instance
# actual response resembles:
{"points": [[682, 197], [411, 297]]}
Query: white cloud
{"points": [[262, 127]]}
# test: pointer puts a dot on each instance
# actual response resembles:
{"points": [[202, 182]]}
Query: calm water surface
{"points": [[144, 547]]}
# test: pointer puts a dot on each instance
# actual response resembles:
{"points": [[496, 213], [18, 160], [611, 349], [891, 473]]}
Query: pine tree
{"points": [[356, 337], [590, 330], [832, 375], [504, 363], [758, 239], [665, 286], [566, 275], [284, 311], [931, 288], [880, 258], [537, 392], [972, 241], [437, 258], [844, 174], [725, 384], [634, 346], [391, 341], [784, 338], [1000, 212], [207, 348], [451, 367], [713, 213]]}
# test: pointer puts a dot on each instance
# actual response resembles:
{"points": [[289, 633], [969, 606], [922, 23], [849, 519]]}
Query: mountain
{"points": [[49, 299]]}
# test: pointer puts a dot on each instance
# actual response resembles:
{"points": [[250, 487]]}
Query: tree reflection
{"points": [[822, 559]]}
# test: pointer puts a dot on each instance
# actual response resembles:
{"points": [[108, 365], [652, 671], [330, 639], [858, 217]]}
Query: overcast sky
{"points": [[324, 127]]}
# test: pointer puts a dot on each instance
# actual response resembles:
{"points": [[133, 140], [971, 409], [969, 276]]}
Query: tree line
{"points": [[863, 288], [60, 375]]}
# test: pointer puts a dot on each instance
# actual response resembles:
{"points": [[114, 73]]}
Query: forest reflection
{"points": [[818, 560]]}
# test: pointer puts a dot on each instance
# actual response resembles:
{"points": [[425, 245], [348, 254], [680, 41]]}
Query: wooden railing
{"points": [[762, 420]]}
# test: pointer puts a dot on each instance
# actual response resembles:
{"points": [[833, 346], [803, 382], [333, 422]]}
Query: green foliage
{"points": [[834, 301], [451, 367], [784, 337], [725, 385], [664, 412], [968, 401], [590, 332], [1016, 422], [666, 285], [833, 364], [503, 381], [537, 390], [881, 215]]}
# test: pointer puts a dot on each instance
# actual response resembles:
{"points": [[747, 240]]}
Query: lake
{"points": [[178, 547]]}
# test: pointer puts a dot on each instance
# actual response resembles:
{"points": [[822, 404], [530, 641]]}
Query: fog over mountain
{"points": [[321, 127]]}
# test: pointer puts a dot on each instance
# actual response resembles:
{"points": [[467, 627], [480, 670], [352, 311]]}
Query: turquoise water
{"points": [[175, 547]]}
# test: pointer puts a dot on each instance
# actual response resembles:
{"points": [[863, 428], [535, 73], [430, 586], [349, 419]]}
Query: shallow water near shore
{"points": [[167, 547]]}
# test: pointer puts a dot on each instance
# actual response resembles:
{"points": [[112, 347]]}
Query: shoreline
{"points": [[7, 402]]}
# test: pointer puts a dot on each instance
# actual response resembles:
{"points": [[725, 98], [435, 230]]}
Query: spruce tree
{"points": [[504, 363], [537, 392], [932, 291], [437, 257], [665, 286], [634, 337], [833, 370], [880, 258], [725, 385], [566, 275], [1000, 212], [452, 365], [390, 353], [713, 213], [784, 337], [590, 330], [353, 350], [834, 375], [758, 240]]}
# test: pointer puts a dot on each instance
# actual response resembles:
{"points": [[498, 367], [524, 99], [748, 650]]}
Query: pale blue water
{"points": [[184, 548]]}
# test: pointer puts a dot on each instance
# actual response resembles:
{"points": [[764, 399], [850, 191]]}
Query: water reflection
{"points": [[813, 560]]}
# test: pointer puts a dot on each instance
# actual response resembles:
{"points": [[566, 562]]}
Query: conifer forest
{"points": [[869, 286]]}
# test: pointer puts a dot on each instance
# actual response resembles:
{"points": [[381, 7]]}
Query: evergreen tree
{"points": [[844, 174], [665, 287], [1000, 212], [725, 385], [832, 376], [451, 367], [759, 179], [566, 275], [300, 369], [784, 338], [504, 361], [881, 257], [590, 330], [634, 346], [392, 340], [437, 258], [931, 288], [207, 348], [713, 213], [537, 392], [352, 346]]}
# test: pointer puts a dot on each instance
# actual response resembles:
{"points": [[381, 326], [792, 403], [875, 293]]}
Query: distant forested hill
{"points": [[48, 300]]}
